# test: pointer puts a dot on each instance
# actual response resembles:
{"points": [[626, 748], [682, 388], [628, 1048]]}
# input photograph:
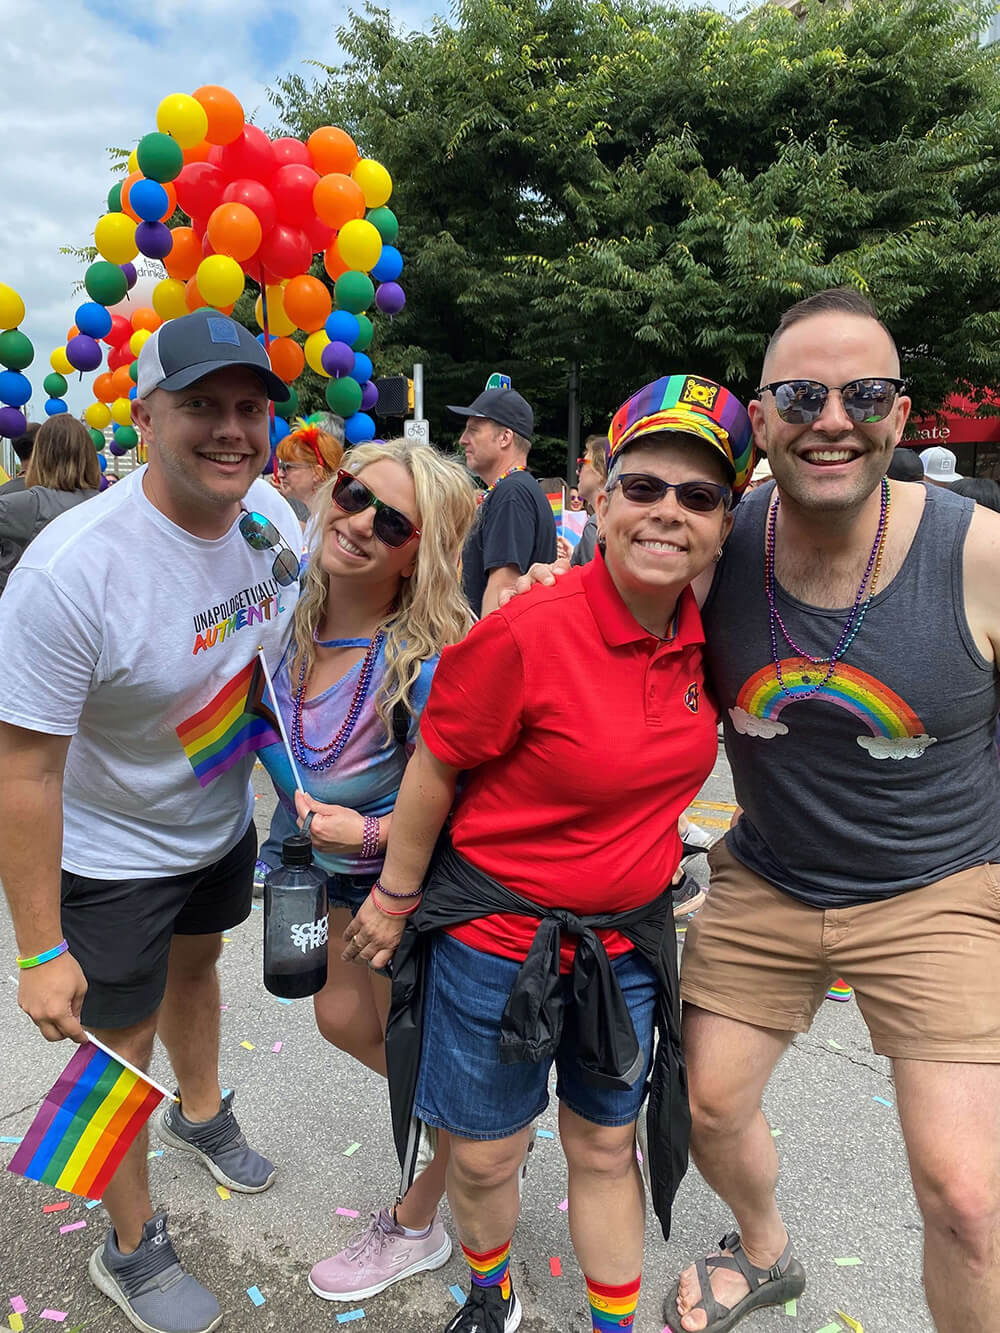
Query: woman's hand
{"points": [[371, 936], [536, 574], [335, 829], [563, 549]]}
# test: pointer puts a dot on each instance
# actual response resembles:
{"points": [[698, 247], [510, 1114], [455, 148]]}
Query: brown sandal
{"points": [[783, 1281]]}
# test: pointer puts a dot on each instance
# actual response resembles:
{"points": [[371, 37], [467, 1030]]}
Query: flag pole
{"points": [[281, 725], [122, 1061]]}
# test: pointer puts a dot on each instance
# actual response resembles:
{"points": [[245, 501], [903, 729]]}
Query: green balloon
{"points": [[354, 291], [98, 438], [133, 371], [105, 283], [115, 199], [386, 223], [364, 339], [288, 407], [344, 396], [16, 351], [127, 437], [55, 385], [160, 157]]}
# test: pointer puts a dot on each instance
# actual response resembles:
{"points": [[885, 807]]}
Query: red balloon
{"points": [[120, 331], [293, 187], [285, 251], [121, 355], [199, 188], [319, 234], [249, 155], [207, 248], [291, 150], [258, 198]]}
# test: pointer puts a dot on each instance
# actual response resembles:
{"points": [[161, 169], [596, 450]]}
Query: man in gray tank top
{"points": [[853, 631]]}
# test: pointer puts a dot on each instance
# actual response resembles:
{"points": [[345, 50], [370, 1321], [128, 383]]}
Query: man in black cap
{"points": [[132, 625], [515, 525]]}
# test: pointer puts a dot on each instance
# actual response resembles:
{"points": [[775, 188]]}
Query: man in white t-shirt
{"points": [[132, 625]]}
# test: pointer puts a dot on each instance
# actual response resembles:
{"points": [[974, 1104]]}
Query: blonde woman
{"points": [[381, 600]]}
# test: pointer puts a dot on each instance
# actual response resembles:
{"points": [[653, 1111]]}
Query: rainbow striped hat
{"points": [[692, 405]]}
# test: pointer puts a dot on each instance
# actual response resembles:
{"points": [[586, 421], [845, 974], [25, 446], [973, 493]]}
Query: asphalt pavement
{"points": [[844, 1185]]}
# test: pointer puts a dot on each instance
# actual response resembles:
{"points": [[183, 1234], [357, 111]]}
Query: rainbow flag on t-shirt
{"points": [[233, 724], [86, 1123]]}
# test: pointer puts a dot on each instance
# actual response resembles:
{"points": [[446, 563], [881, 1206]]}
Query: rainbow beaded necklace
{"points": [[332, 752]]}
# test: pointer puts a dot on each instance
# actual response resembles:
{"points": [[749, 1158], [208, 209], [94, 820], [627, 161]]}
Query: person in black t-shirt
{"points": [[515, 527]]}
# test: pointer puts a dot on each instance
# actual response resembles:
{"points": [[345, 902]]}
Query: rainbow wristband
{"points": [[45, 957]]}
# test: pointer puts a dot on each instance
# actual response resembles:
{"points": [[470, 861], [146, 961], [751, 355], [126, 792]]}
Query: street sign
{"points": [[498, 381], [417, 429]]}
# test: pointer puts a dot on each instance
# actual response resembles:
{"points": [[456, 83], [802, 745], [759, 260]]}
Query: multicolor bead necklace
{"points": [[518, 467], [331, 753], [855, 618]]}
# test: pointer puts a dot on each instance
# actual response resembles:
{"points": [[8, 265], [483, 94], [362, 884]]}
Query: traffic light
{"points": [[395, 396]]}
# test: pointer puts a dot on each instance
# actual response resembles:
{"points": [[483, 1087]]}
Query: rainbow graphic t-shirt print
{"points": [[892, 728], [234, 723]]}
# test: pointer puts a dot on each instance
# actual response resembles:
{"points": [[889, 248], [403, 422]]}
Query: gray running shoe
{"points": [[220, 1144], [150, 1287]]}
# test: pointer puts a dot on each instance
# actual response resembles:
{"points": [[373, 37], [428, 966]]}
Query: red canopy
{"points": [[956, 423]]}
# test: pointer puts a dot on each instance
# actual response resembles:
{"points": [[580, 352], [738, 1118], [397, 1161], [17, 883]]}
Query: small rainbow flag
{"points": [[555, 500], [233, 724], [87, 1123]]}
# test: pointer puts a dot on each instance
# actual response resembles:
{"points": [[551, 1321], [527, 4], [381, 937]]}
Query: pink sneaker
{"points": [[381, 1255]]}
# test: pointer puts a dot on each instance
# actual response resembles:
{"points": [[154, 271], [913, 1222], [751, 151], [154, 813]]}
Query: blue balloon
{"points": [[389, 265], [93, 319], [102, 462], [279, 429], [342, 327], [149, 200], [359, 428], [134, 391], [55, 407], [362, 367], [15, 388]]}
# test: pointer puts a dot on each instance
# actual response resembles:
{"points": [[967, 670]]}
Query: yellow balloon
{"points": [[121, 411], [278, 323], [359, 244], [314, 351], [180, 116], [11, 307], [114, 237], [61, 363], [169, 299], [133, 161], [98, 415], [375, 182], [220, 280], [138, 339]]}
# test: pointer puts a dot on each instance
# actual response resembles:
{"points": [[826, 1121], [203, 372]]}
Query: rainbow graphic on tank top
{"points": [[893, 729]]}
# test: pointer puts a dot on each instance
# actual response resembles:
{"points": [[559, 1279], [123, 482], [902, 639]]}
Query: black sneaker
{"points": [[688, 896], [486, 1311], [150, 1286]]}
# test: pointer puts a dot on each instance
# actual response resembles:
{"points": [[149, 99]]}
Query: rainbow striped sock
{"points": [[491, 1269], [839, 991], [612, 1307]]}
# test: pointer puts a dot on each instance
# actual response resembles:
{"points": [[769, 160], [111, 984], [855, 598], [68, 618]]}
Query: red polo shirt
{"points": [[585, 737]]}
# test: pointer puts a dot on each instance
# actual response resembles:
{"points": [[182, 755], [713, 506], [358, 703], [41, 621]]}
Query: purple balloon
{"points": [[153, 239], [12, 422], [390, 298], [131, 276], [369, 395], [84, 352], [117, 449], [337, 359], [104, 483]]}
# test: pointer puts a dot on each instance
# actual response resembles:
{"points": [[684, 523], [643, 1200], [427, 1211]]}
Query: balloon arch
{"points": [[259, 208]]}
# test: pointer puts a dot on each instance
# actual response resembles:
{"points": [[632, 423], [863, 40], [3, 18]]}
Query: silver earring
{"points": [[718, 554]]}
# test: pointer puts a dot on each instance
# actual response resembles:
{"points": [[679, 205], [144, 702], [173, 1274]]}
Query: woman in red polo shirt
{"points": [[579, 715]]}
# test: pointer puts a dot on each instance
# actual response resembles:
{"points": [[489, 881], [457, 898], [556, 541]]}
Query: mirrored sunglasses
{"points": [[800, 402], [260, 533], [700, 497], [390, 526]]}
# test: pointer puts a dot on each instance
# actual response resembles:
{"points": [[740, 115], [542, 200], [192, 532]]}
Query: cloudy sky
{"points": [[81, 75]]}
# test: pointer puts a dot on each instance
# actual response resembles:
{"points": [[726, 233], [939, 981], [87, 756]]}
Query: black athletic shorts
{"points": [[119, 930]]}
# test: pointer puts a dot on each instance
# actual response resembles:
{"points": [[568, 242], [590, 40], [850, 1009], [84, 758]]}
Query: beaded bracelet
{"points": [[387, 893], [385, 912], [370, 834], [45, 957]]}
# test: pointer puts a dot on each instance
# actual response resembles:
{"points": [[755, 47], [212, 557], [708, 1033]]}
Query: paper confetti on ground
{"points": [[351, 1149], [882, 1101], [847, 1263], [564, 1205], [55, 1207], [835, 1044], [226, 939], [57, 1316], [775, 1133], [349, 1316], [18, 1305], [458, 1293], [545, 1134], [156, 1152], [92, 1203], [222, 1192], [8, 1139], [854, 1325], [281, 999], [791, 1308], [72, 1226], [555, 1267], [255, 1296], [247, 1045], [15, 1323], [830, 1328], [276, 1047], [347, 1212]]}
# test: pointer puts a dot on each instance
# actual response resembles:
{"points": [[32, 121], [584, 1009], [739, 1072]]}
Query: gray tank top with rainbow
{"points": [[887, 779]]}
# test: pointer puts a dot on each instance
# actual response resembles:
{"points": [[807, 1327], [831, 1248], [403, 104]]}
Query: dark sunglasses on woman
{"points": [[801, 402], [390, 526], [260, 533], [700, 497]]}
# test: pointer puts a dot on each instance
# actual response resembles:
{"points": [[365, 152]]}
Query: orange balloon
{"points": [[183, 260], [332, 149], [146, 318], [195, 300], [126, 206], [332, 261], [234, 230], [287, 358], [171, 200], [71, 332], [121, 382], [307, 303], [199, 153], [104, 388], [338, 199], [224, 111]]}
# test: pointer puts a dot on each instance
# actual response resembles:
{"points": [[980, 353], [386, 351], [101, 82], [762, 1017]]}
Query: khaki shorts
{"points": [[925, 965]]}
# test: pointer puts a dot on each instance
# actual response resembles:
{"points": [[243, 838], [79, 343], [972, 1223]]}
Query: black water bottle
{"points": [[295, 923]]}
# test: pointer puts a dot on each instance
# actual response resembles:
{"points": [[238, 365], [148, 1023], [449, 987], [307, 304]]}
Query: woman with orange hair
{"points": [[306, 458]]}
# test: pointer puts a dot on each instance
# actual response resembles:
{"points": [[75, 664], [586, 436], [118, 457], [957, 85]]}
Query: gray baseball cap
{"points": [[504, 406], [183, 351]]}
